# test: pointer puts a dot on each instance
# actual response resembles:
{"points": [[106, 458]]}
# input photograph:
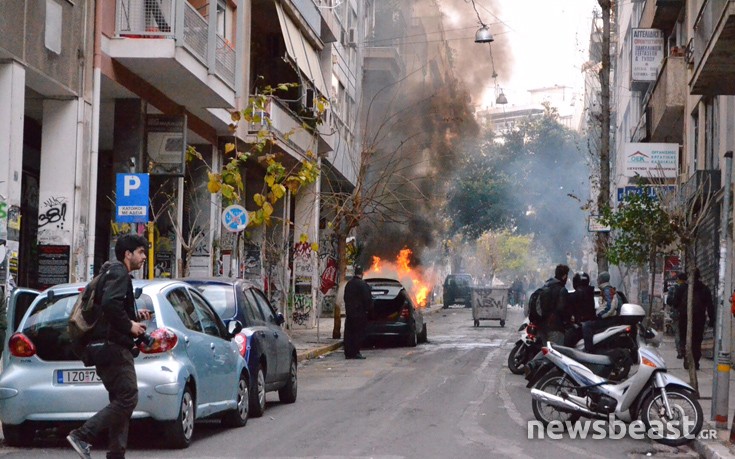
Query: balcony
{"points": [[384, 60], [666, 102], [701, 184], [712, 49], [661, 14], [286, 126], [177, 51]]}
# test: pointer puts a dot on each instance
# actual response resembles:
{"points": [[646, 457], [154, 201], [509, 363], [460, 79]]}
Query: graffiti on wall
{"points": [[250, 265], [302, 306], [53, 226]]}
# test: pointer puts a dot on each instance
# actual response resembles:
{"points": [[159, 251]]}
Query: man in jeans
{"points": [[117, 327]]}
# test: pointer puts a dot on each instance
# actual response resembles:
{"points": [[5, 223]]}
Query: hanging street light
{"points": [[501, 100], [483, 35]]}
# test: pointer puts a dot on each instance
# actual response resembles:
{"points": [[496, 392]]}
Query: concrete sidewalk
{"points": [[711, 448], [314, 342]]}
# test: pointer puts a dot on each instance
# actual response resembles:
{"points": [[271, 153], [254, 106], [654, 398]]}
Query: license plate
{"points": [[77, 377]]}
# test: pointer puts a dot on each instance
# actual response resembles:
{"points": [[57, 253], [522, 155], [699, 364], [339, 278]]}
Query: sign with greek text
{"points": [[647, 54], [651, 160], [131, 200]]}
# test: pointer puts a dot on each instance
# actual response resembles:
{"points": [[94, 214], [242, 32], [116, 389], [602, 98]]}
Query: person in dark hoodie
{"points": [[579, 308], [702, 307], [116, 328]]}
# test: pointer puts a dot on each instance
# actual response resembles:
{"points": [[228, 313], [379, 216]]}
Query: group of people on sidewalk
{"points": [[562, 315]]}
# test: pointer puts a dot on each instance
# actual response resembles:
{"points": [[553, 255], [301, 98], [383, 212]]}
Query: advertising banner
{"points": [[647, 54]]}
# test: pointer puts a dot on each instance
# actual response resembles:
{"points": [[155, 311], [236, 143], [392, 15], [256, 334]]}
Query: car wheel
{"points": [[422, 336], [502, 323], [239, 416], [411, 338], [287, 394], [257, 394], [18, 435], [179, 432]]}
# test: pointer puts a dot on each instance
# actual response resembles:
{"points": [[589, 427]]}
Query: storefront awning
{"points": [[302, 53]]}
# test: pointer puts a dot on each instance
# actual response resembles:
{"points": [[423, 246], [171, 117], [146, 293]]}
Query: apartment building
{"points": [[684, 99], [92, 89]]}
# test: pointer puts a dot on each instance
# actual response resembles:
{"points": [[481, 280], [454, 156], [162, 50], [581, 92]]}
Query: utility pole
{"points": [[721, 384], [603, 200]]}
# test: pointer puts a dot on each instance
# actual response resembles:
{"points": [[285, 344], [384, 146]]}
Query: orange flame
{"points": [[414, 280], [376, 265]]}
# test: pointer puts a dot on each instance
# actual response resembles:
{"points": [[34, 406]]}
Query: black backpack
{"points": [[539, 305]]}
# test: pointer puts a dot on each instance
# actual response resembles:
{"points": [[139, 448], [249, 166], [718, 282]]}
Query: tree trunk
{"points": [[341, 268], [603, 200]]}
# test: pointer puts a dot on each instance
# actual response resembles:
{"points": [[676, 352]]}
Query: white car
{"points": [[193, 369]]}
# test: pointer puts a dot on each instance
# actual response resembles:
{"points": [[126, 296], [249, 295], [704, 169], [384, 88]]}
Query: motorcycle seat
{"points": [[584, 357]]}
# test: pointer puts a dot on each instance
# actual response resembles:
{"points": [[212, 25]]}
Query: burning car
{"points": [[394, 313]]}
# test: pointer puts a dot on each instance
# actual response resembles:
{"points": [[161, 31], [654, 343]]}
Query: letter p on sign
{"points": [[132, 182]]}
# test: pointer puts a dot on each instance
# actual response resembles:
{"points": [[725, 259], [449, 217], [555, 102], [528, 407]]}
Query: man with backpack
{"points": [[546, 306], [114, 331]]}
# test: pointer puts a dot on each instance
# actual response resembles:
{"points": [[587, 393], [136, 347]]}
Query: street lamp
{"points": [[501, 100], [483, 35]]}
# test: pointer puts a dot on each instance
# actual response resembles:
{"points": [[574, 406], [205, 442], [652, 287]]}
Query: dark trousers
{"points": [[354, 334], [697, 337], [122, 385]]}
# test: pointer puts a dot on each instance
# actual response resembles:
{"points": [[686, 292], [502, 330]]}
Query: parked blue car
{"points": [[192, 370], [268, 350]]}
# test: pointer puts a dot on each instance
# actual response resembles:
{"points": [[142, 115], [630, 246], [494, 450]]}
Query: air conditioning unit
{"points": [[352, 37]]}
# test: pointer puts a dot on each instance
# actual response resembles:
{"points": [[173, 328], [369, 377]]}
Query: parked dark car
{"points": [[458, 290], [394, 313], [267, 349]]}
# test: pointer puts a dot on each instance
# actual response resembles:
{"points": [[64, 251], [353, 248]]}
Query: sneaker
{"points": [[82, 448], [360, 356]]}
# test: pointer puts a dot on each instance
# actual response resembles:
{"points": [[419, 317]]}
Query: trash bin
{"points": [[489, 304]]}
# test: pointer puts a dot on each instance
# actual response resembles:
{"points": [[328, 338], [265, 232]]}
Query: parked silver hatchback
{"points": [[192, 370]]}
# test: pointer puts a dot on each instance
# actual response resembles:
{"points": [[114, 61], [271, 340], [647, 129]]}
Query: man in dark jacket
{"points": [[358, 303], [674, 294], [553, 301], [115, 331], [702, 307]]}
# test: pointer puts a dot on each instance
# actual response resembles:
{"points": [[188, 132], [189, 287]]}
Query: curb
{"points": [[314, 353], [713, 448]]}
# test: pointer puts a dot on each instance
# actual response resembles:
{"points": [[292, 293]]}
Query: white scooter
{"points": [[579, 386]]}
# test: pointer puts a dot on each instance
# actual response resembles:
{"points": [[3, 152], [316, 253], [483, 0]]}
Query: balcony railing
{"points": [[160, 19], [705, 25], [285, 124]]}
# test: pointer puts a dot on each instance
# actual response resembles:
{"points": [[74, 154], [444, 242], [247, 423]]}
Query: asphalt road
{"points": [[450, 398]]}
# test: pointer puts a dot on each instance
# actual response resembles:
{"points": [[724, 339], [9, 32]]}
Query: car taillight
{"points": [[20, 346], [544, 350], [405, 313], [243, 344], [163, 341]]}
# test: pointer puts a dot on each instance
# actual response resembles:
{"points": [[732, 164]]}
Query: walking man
{"points": [[117, 327], [672, 297], [358, 303]]}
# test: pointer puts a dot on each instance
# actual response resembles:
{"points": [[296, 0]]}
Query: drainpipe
{"points": [[315, 279], [721, 386], [94, 143]]}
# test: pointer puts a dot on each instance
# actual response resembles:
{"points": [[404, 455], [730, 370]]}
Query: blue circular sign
{"points": [[235, 218]]}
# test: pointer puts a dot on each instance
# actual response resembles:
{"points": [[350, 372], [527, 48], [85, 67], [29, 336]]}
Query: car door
{"points": [[224, 364], [197, 344], [280, 338], [16, 306], [265, 337]]}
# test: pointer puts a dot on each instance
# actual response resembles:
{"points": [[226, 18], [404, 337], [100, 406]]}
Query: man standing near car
{"points": [[117, 327], [358, 304]]}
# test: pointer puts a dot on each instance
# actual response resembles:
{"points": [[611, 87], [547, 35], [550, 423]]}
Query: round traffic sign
{"points": [[235, 218]]}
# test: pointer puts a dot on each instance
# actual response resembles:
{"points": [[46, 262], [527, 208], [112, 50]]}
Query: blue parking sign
{"points": [[131, 201]]}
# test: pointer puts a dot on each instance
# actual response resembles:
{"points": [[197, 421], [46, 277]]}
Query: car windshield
{"points": [[46, 326], [221, 297]]}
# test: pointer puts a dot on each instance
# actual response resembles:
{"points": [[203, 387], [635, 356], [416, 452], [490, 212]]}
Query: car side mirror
{"points": [[280, 319], [138, 292], [233, 328]]}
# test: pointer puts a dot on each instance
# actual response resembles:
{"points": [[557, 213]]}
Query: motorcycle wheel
{"points": [[554, 382], [517, 359], [684, 405]]}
